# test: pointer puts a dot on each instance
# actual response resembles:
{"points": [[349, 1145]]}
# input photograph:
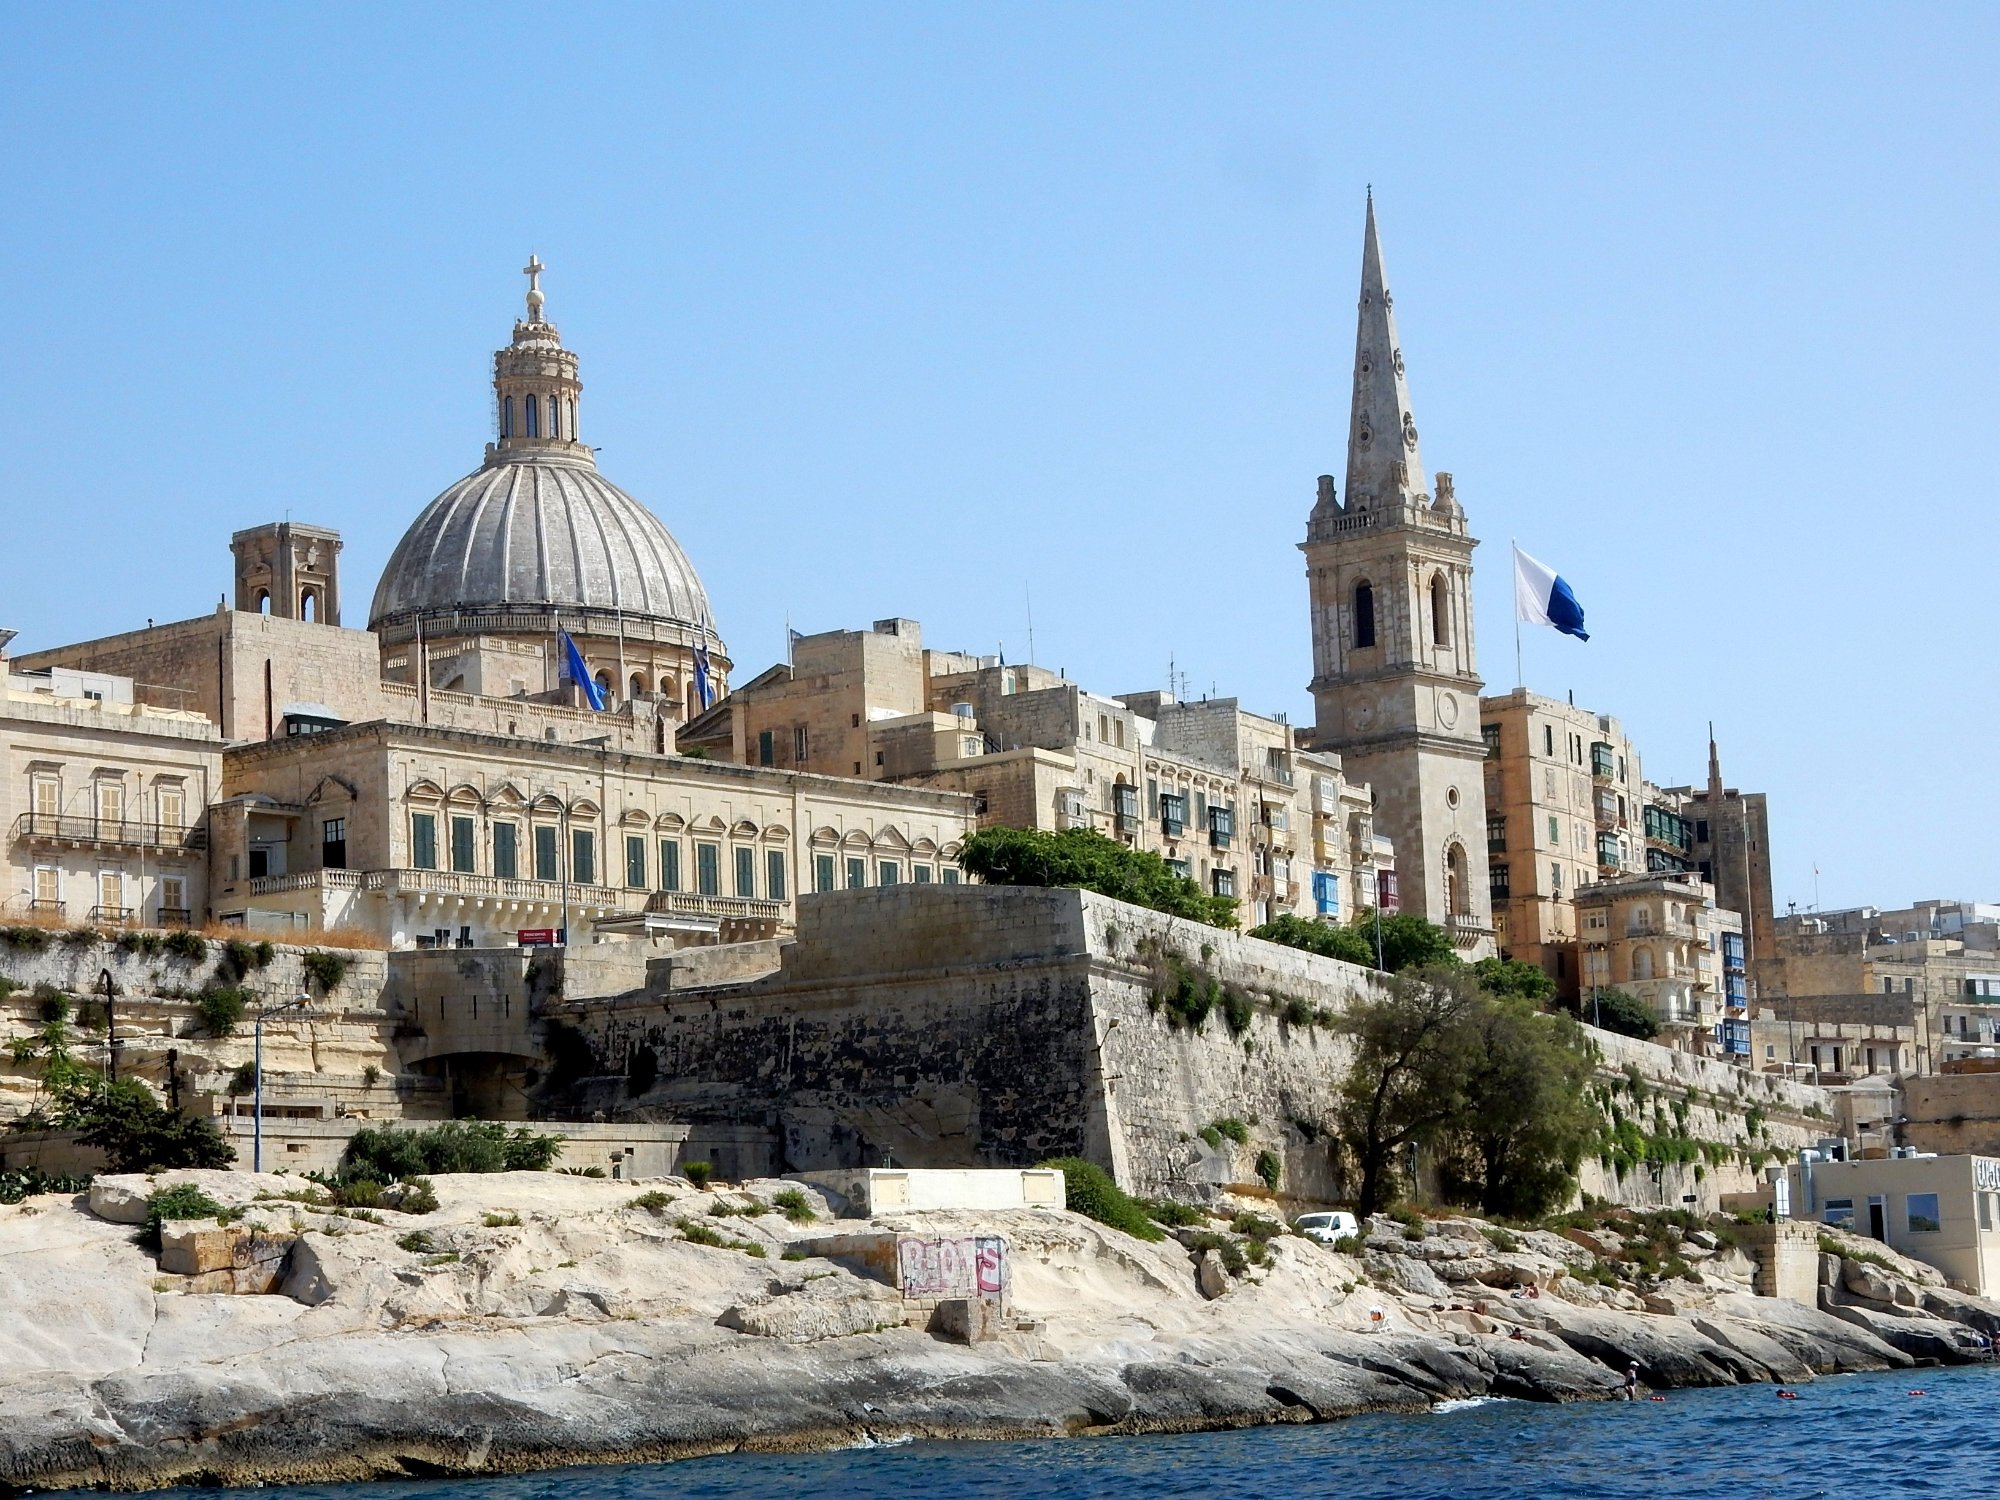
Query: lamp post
{"points": [[110, 1021], [298, 1002]]}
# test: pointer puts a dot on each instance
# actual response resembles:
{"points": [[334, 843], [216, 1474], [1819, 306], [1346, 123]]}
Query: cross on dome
{"points": [[533, 271]]}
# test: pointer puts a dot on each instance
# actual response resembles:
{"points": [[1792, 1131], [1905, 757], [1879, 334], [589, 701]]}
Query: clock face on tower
{"points": [[1361, 715]]}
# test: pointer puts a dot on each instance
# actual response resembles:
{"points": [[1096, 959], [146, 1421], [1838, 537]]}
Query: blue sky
{"points": [[924, 310]]}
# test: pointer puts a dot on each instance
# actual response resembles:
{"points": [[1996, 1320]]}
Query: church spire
{"points": [[1382, 458], [535, 386]]}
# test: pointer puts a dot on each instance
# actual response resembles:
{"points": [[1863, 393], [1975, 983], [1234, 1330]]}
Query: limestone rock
{"points": [[1210, 1278], [1865, 1280], [826, 1307], [1412, 1275]]}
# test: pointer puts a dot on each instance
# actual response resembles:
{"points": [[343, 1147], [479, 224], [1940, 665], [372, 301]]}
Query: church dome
{"points": [[536, 537], [541, 534]]}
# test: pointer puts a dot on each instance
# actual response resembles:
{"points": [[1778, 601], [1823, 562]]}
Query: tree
{"points": [[1086, 860], [1614, 1010], [1408, 941], [1408, 1076], [1526, 1117], [1347, 944], [138, 1134], [1510, 978]]}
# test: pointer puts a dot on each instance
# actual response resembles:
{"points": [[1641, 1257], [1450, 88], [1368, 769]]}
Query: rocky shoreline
{"points": [[537, 1320]]}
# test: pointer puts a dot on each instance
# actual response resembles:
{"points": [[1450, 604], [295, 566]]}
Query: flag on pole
{"points": [[703, 687], [578, 673], [1542, 597]]}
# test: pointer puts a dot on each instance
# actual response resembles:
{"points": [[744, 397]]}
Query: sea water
{"points": [[1928, 1432]]}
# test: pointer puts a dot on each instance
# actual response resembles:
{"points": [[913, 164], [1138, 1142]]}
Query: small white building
{"points": [[1941, 1210]]}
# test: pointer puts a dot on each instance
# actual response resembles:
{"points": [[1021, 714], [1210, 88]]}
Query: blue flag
{"points": [[703, 688], [578, 673]]}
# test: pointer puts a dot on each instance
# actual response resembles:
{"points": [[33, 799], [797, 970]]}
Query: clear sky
{"points": [[931, 310]]}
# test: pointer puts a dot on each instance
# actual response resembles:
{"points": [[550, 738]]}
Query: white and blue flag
{"points": [[1542, 597]]}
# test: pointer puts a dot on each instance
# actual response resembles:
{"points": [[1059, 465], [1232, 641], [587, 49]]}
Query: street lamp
{"points": [[298, 1002], [110, 1020]]}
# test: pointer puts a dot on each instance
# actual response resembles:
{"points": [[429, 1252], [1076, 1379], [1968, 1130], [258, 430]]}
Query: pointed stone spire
{"points": [[1714, 769], [1383, 462]]}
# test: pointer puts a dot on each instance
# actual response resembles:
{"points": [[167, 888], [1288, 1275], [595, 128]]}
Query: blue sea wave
{"points": [[1902, 1434]]}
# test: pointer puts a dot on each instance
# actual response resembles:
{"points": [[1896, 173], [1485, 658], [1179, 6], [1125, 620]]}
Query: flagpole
{"points": [[1520, 677]]}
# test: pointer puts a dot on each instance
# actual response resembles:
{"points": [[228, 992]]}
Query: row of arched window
{"points": [[553, 416], [1364, 613]]}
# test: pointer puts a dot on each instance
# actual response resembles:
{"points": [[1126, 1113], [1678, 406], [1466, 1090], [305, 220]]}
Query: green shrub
{"points": [[93, 1016], [390, 1155], [182, 1201], [1236, 1130], [1236, 1008], [1349, 1244], [25, 939], [370, 1076], [1084, 858], [1500, 1239], [793, 1255], [502, 1221], [445, 1258], [1090, 1191], [653, 1202], [242, 1081], [137, 1134], [1174, 1215], [418, 1196], [698, 1172], [418, 1242], [8, 986], [1256, 1226], [27, 1182], [131, 942], [1211, 1137], [794, 1205], [1270, 1167], [82, 937], [220, 1008], [190, 946], [358, 1192], [325, 969], [696, 1232], [53, 1004], [1297, 1012]]}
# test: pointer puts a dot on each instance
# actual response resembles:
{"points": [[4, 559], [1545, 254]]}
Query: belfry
{"points": [[1395, 689]]}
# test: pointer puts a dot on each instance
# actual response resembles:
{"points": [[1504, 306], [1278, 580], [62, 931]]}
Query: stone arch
{"points": [[1457, 895], [1363, 623], [1440, 610], [423, 789], [1642, 962]]}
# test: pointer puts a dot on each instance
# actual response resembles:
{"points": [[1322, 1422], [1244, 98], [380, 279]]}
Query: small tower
{"points": [[1395, 689], [290, 570], [535, 385]]}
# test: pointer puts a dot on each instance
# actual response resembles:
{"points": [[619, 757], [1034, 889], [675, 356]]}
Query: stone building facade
{"points": [[103, 801], [1395, 679], [433, 836], [1662, 939], [1225, 796], [1730, 847], [1565, 805]]}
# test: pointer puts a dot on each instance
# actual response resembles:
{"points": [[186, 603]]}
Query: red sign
{"points": [[536, 937]]}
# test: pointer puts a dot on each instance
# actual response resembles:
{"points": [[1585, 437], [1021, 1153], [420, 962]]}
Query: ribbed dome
{"points": [[536, 532]]}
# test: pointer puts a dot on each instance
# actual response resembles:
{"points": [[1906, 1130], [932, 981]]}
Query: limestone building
{"points": [[1395, 682], [1225, 796], [432, 836], [1730, 846], [1662, 939], [1565, 805], [103, 800]]}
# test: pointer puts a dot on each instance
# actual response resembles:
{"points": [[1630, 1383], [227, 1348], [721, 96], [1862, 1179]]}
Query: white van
{"points": [[1326, 1228]]}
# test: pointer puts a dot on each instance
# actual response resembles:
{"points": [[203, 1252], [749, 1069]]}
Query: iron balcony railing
{"points": [[64, 828]]}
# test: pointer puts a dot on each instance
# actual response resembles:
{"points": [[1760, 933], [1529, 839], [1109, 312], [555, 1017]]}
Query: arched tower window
{"points": [[638, 685], [1364, 615], [309, 604], [1454, 881], [1440, 612], [263, 601], [534, 411], [604, 683], [571, 405], [555, 419], [506, 416]]}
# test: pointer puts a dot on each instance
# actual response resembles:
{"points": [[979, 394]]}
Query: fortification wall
{"points": [[956, 1026]]}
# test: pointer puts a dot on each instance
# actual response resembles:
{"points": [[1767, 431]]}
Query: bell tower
{"points": [[288, 569], [1395, 687]]}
